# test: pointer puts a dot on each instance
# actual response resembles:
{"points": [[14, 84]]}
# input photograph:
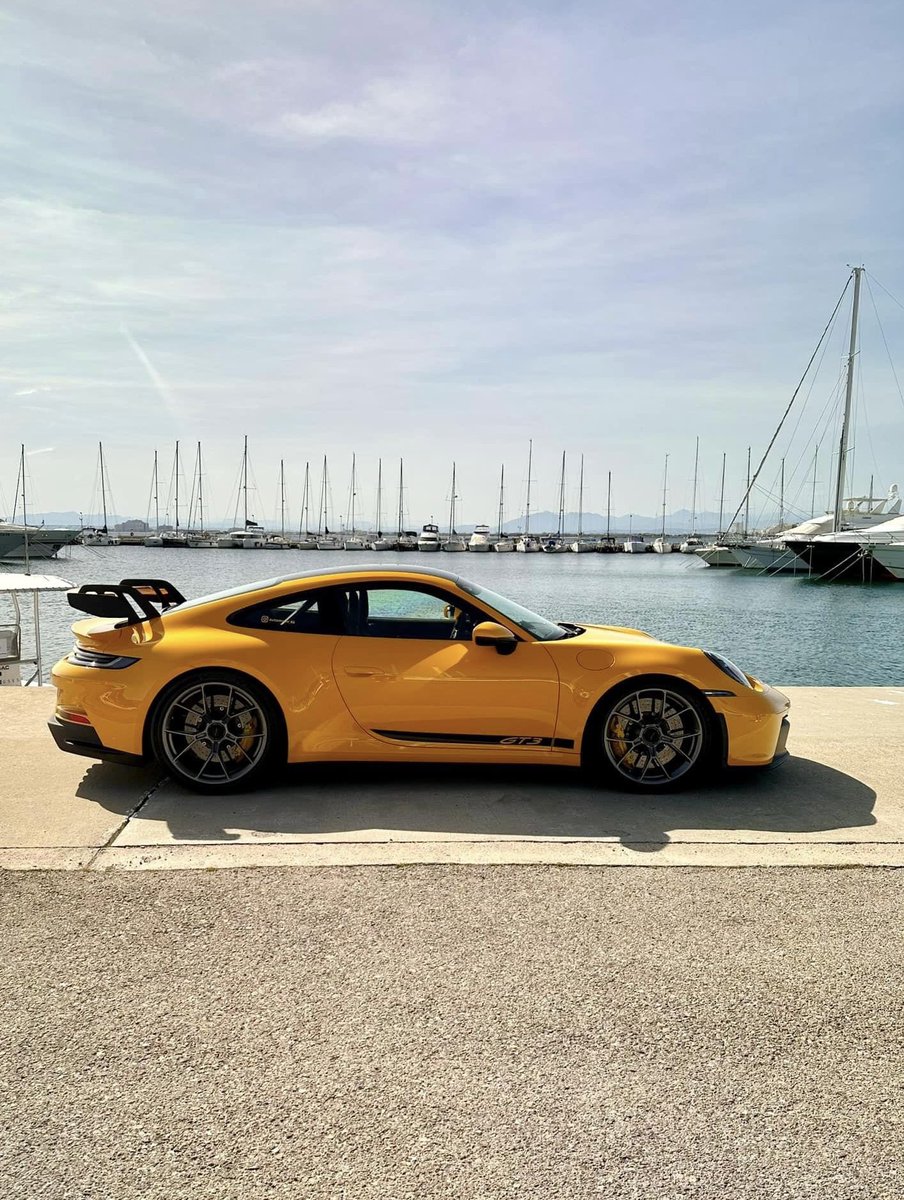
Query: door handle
{"points": [[365, 672]]}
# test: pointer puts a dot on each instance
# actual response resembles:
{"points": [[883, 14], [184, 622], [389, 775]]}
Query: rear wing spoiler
{"points": [[131, 600]]}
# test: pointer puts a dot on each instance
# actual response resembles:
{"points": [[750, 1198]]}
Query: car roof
{"points": [[262, 585]]}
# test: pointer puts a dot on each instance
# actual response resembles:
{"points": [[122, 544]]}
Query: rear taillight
{"points": [[82, 657]]}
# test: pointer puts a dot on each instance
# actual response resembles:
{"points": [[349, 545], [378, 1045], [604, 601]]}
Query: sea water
{"points": [[784, 629]]}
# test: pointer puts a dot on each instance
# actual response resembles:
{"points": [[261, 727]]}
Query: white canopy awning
{"points": [[15, 582]]}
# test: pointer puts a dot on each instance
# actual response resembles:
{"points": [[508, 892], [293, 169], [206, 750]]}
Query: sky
{"points": [[436, 231]]}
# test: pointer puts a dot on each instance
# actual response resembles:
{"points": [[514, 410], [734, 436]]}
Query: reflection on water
{"points": [[784, 629]]}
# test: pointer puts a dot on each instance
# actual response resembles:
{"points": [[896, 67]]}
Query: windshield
{"points": [[539, 627]]}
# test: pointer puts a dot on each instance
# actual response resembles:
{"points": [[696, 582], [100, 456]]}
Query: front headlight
{"points": [[728, 667]]}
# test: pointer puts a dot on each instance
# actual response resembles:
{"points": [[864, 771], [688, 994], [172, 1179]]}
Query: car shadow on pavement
{"points": [[352, 802]]}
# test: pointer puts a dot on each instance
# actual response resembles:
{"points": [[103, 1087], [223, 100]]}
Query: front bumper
{"points": [[83, 739]]}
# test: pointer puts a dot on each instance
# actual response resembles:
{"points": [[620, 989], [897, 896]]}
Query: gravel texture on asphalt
{"points": [[452, 1032]]}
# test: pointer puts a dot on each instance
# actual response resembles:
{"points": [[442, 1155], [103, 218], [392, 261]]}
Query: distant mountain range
{"points": [[540, 522]]}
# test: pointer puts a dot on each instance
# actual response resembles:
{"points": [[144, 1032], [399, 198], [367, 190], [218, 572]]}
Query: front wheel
{"points": [[652, 737], [215, 732]]}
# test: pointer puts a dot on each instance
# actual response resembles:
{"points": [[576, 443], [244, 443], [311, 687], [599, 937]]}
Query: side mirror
{"points": [[489, 633]]}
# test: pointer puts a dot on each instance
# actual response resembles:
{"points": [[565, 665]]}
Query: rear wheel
{"points": [[652, 736], [216, 732]]}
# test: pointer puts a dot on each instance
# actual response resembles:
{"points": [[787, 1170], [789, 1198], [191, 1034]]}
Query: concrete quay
{"points": [[839, 801]]}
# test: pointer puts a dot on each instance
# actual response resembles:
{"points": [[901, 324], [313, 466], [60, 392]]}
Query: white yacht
{"points": [[480, 539], [717, 555], [891, 559], [504, 544], [154, 539], [355, 542], [43, 541], [528, 545], [99, 537], [689, 545], [454, 545], [252, 537], [861, 517], [661, 546], [428, 538], [383, 543], [555, 545], [583, 547], [633, 546]]}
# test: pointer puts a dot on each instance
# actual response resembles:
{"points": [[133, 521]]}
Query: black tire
{"points": [[653, 734], [217, 731]]}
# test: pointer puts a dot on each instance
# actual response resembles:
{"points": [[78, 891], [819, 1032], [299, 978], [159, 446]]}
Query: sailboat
{"points": [[843, 552], [354, 541], [155, 538], [453, 543], [503, 543], [325, 539], [101, 536], [380, 542], [557, 544], [407, 538], [580, 546], [278, 541], [251, 536], [527, 544], [660, 545], [200, 539], [31, 541], [175, 539], [689, 545], [306, 540]]}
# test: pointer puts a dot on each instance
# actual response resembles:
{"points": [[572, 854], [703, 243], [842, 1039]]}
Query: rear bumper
{"points": [[84, 740]]}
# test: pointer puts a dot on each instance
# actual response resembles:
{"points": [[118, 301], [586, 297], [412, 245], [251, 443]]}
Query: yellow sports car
{"points": [[402, 664]]}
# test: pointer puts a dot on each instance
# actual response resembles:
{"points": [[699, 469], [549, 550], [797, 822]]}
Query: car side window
{"points": [[309, 612], [409, 612]]}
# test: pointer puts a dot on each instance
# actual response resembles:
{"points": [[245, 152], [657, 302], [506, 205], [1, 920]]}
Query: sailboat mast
{"points": [[176, 472], [103, 484], [245, 480], [25, 524], [813, 496], [781, 499], [609, 507], [282, 498], [156, 497], [452, 504], [530, 458], [747, 496], [501, 500], [848, 399], [305, 501], [722, 496], [560, 530], [581, 501], [379, 520], [200, 492], [323, 495], [694, 493], [352, 495], [401, 495], [665, 484]]}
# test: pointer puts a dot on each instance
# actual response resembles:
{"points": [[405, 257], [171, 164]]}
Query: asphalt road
{"points": [[455, 1032]]}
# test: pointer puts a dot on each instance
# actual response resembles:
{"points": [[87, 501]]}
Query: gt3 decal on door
{"points": [[474, 739]]}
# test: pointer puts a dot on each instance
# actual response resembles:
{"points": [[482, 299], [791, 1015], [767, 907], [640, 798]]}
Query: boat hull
{"points": [[853, 561]]}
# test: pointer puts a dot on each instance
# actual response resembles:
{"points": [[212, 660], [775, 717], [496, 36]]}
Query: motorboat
{"points": [[428, 538], [504, 545], [42, 540], [454, 545], [407, 540], [890, 559], [480, 539], [154, 539], [252, 537], [276, 541], [528, 545], [774, 554], [848, 554], [98, 537], [661, 546], [555, 545], [718, 555], [689, 545], [633, 546], [582, 547], [355, 542]]}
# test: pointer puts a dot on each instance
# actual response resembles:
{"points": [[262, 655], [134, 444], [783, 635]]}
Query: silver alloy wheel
{"points": [[214, 732], [653, 736]]}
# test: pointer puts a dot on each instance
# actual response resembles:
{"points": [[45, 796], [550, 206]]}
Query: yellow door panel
{"points": [[452, 692]]}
